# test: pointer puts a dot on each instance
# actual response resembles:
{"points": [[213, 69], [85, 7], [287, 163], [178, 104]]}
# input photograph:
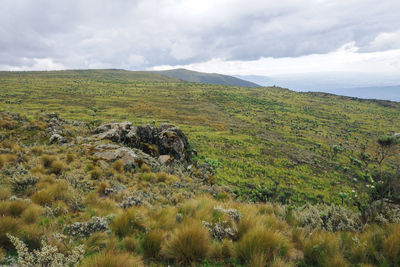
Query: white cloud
{"points": [[231, 34], [345, 59]]}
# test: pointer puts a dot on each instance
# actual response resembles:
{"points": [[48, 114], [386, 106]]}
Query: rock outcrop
{"points": [[165, 139], [131, 157]]}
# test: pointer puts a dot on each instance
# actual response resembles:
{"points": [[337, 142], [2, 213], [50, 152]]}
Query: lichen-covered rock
{"points": [[96, 224], [132, 158], [233, 213], [218, 231], [136, 198], [164, 159], [165, 139], [57, 139]]}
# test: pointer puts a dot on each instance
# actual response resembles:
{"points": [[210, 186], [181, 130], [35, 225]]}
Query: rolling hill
{"points": [[210, 78], [270, 143], [120, 168]]}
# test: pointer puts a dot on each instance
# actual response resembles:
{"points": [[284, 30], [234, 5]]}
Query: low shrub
{"points": [[22, 182]]}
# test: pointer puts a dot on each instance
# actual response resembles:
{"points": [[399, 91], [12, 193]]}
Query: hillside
{"points": [[269, 143], [124, 194], [209, 78], [119, 168]]}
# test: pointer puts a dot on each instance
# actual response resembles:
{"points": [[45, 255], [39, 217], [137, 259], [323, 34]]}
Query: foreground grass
{"points": [[46, 189]]}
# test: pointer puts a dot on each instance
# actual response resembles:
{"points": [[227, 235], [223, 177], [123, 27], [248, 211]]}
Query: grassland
{"points": [[269, 143], [282, 149]]}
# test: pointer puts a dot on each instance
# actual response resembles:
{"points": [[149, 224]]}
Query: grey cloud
{"points": [[144, 33]]}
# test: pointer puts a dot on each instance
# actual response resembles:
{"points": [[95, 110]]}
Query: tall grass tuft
{"points": [[261, 244], [190, 243], [128, 222], [151, 244], [112, 259], [391, 245], [323, 249]]}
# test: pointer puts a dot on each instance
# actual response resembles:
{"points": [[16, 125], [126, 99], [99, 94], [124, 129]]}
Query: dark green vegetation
{"points": [[267, 143], [208, 78]]}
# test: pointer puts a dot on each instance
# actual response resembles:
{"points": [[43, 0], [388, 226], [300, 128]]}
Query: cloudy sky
{"points": [[233, 37]]}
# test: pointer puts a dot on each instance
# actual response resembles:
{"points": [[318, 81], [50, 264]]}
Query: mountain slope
{"points": [[266, 143], [210, 78]]}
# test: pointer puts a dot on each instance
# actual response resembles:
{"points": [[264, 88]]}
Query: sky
{"points": [[265, 37]]}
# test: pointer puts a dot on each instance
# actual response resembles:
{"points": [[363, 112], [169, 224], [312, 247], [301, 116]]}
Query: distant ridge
{"points": [[373, 92], [202, 77]]}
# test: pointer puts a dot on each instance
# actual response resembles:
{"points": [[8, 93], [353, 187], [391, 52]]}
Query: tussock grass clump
{"points": [[32, 213], [222, 251], [57, 167], [131, 220], [47, 160], [145, 168], [151, 244], [190, 243], [113, 258], [96, 173], [391, 245], [130, 243], [13, 208], [8, 225], [5, 193], [70, 157], [7, 159], [322, 249], [53, 192], [32, 236], [2, 254], [101, 188], [261, 243], [96, 242], [279, 262], [37, 150], [118, 165]]}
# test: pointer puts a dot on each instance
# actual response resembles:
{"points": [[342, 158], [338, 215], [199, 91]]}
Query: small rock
{"points": [[163, 159], [58, 139]]}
